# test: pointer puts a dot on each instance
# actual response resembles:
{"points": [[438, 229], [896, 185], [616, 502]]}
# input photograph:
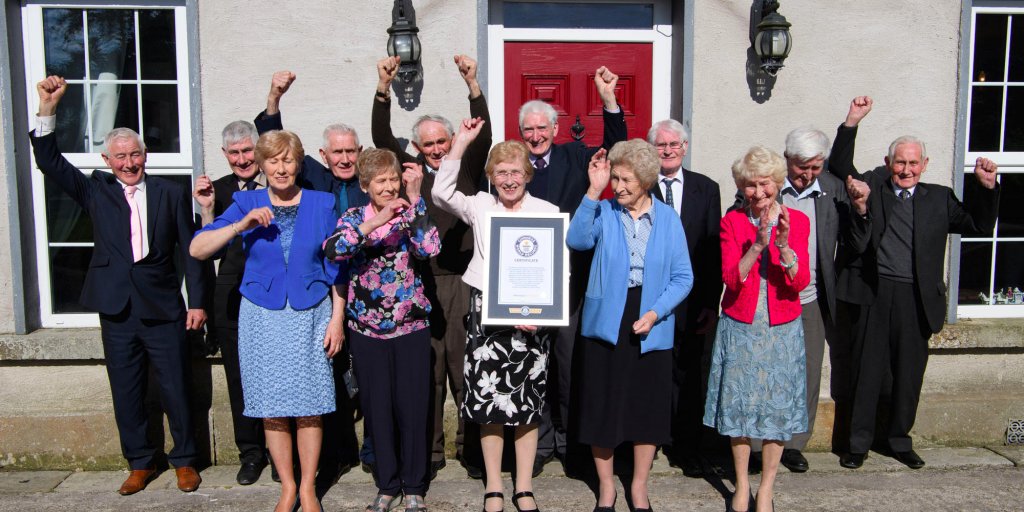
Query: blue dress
{"points": [[757, 387], [285, 370]]}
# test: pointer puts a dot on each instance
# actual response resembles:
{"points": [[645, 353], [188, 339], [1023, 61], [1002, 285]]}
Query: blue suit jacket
{"points": [[667, 273], [114, 280], [267, 280]]}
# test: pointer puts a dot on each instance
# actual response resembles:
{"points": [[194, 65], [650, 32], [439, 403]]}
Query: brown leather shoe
{"points": [[136, 481], [188, 478]]}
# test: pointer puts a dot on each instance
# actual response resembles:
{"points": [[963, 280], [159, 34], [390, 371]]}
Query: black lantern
{"points": [[404, 42], [773, 41]]}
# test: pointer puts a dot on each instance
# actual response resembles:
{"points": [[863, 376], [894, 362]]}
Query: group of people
{"points": [[376, 257]]}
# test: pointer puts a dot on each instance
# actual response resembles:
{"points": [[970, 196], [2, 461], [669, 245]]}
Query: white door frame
{"points": [[660, 35]]}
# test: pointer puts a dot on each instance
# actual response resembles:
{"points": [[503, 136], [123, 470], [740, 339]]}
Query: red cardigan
{"points": [[740, 298]]}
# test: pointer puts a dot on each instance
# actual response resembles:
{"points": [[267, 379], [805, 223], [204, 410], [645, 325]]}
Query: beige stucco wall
{"points": [[8, 195], [332, 47], [905, 55]]}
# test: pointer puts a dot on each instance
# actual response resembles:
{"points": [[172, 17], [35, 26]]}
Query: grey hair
{"points": [[431, 117], [122, 133], [237, 131], [538, 107], [807, 143], [640, 157], [907, 139], [669, 125], [341, 129]]}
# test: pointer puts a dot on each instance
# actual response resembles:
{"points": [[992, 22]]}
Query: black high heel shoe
{"points": [[523, 494], [493, 495], [608, 509]]}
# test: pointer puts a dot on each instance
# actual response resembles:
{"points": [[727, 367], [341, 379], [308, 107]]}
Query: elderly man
{"points": [[895, 286], [561, 178], [697, 200], [335, 174], [449, 296], [138, 221], [214, 196]]}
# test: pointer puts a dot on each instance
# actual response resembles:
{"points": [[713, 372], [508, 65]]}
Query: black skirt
{"points": [[625, 396]]}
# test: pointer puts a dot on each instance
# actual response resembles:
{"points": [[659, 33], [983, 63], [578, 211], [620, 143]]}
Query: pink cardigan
{"points": [[740, 298]]}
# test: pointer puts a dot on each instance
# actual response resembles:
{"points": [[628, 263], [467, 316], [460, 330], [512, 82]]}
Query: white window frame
{"points": [[1009, 163], [157, 164], [660, 35]]}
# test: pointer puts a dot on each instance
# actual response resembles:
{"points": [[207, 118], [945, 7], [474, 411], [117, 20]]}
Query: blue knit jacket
{"points": [[668, 276]]}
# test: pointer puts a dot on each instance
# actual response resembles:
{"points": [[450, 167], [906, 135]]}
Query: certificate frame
{"points": [[531, 285]]}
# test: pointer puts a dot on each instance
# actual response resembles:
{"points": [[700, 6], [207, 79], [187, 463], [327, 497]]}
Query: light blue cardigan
{"points": [[668, 276]]}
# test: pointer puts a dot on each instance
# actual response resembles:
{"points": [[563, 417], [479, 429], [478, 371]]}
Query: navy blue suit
{"points": [[142, 314]]}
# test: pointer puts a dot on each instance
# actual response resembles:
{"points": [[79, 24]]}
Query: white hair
{"points": [[668, 125], [537, 107], [807, 143], [430, 117], [122, 133], [907, 139], [341, 129]]}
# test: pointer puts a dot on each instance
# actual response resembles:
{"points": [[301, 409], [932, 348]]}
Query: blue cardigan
{"points": [[667, 273], [307, 277]]}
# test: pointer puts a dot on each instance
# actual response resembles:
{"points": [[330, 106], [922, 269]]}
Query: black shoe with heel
{"points": [[490, 495], [523, 494], [608, 509]]}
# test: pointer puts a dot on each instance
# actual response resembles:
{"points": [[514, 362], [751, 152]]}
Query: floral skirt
{"points": [[506, 372]]}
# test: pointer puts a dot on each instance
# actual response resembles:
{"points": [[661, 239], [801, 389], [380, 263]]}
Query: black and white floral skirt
{"points": [[506, 372]]}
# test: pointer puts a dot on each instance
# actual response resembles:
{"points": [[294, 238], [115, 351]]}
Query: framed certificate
{"points": [[526, 281]]}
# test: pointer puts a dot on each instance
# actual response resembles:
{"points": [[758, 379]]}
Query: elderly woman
{"points": [[288, 328], [757, 386], [640, 273], [387, 318], [506, 368]]}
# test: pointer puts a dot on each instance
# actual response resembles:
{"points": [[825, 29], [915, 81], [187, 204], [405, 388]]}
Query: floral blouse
{"points": [[385, 294]]}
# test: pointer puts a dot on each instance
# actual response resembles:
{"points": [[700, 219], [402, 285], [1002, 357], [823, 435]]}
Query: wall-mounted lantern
{"points": [[773, 40], [403, 42]]}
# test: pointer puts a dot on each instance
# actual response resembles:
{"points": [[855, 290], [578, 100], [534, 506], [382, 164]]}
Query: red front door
{"points": [[562, 74]]}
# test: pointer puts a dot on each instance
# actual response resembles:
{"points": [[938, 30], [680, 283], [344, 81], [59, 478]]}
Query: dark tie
{"points": [[538, 186], [669, 199], [342, 198], [540, 164], [904, 194], [250, 185]]}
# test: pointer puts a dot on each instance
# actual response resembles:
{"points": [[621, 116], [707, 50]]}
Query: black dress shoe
{"points": [[250, 472], [910, 458], [852, 460], [794, 460], [436, 466], [538, 464]]}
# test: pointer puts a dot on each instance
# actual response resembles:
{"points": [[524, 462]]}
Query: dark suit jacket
{"points": [[567, 169], [937, 213], [113, 280], [701, 217], [226, 297], [456, 236], [315, 175]]}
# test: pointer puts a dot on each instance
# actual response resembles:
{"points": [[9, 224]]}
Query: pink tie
{"points": [[136, 222]]}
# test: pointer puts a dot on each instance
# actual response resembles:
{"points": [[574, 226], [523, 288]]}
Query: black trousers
{"points": [[394, 390], [130, 345], [248, 431], [893, 337]]}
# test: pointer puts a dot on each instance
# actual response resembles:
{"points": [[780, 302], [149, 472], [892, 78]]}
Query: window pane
{"points": [[989, 47], [1011, 216], [1013, 135], [160, 116], [113, 106], [71, 123], [1009, 272], [111, 44], [586, 15], [986, 114], [975, 269], [67, 274], [63, 43], [65, 220], [157, 45], [1017, 49]]}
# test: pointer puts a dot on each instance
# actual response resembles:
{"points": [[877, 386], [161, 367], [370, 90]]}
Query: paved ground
{"points": [[955, 479]]}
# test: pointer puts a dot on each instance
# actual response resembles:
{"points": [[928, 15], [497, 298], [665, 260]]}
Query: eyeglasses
{"points": [[662, 146], [504, 175]]}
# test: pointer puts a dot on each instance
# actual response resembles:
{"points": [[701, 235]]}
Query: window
{"points": [[992, 268], [126, 66]]}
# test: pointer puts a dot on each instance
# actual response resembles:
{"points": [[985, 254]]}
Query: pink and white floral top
{"points": [[385, 293]]}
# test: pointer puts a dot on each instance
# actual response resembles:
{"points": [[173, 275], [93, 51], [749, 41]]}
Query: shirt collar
{"points": [[140, 186], [260, 179], [649, 214], [677, 176], [896, 189], [545, 156], [812, 191]]}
